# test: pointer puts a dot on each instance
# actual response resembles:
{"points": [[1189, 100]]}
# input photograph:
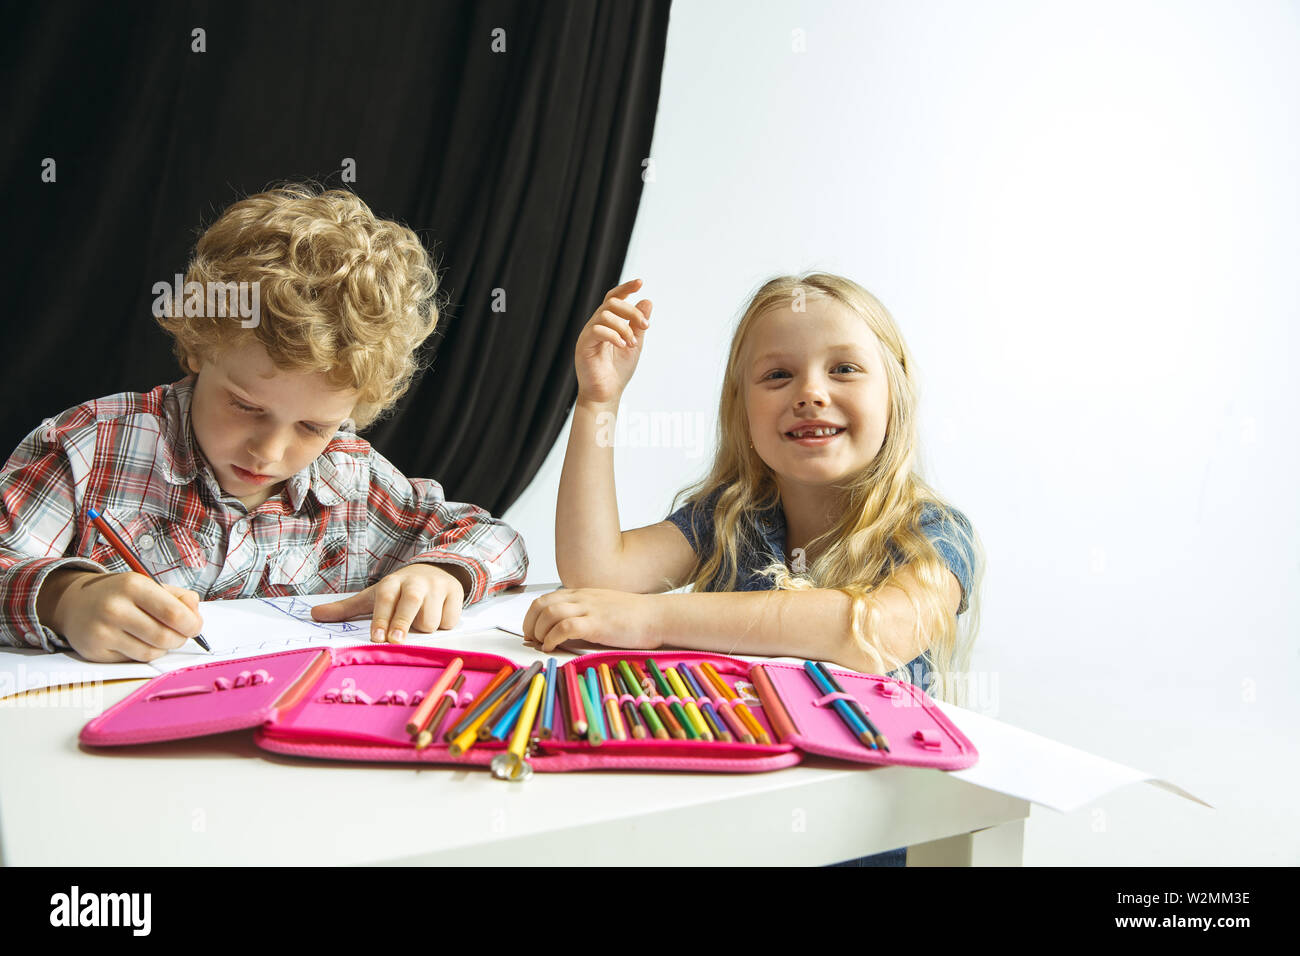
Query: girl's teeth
{"points": [[817, 433]]}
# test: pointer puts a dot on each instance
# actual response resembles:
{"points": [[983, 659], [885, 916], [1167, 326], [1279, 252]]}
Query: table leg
{"points": [[1002, 845]]}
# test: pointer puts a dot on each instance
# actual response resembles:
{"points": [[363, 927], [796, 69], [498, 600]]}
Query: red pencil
{"points": [[130, 557]]}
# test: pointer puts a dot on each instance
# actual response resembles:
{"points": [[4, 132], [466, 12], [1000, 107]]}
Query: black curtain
{"points": [[520, 168]]}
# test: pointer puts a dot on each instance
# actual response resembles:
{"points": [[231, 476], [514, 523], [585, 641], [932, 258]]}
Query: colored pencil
{"points": [[881, 742], [688, 702], [773, 705], [635, 725], [518, 688], [618, 731], [653, 723], [520, 739], [679, 712], [595, 712], [856, 727], [647, 685], [420, 719], [577, 711], [130, 557], [430, 734], [499, 683], [594, 735], [706, 706], [503, 727], [548, 707], [741, 711]]}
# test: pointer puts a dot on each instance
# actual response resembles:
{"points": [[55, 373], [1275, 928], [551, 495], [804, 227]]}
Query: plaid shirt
{"points": [[341, 524]]}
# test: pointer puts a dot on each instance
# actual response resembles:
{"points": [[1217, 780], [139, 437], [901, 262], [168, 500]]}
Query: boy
{"points": [[246, 478]]}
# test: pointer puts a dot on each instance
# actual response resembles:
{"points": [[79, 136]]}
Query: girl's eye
{"points": [[775, 374], [844, 368]]}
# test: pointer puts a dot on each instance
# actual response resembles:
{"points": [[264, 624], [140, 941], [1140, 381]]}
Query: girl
{"points": [[811, 536]]}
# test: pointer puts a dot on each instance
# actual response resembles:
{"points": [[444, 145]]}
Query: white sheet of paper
{"points": [[246, 628], [1025, 765]]}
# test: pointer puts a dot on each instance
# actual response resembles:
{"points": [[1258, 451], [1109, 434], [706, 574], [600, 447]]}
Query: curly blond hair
{"points": [[342, 292]]}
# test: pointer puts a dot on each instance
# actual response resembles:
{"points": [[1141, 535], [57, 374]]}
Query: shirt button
{"points": [[145, 542]]}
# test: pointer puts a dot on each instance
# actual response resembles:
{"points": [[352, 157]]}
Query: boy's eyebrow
{"points": [[305, 421]]}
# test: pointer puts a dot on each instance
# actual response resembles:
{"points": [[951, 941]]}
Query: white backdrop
{"points": [[1085, 218]]}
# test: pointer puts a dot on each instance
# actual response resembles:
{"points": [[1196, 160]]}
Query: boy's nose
{"points": [[265, 449]]}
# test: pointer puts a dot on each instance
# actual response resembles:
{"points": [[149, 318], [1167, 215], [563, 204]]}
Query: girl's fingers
{"points": [[622, 326], [553, 615], [410, 601], [635, 317], [604, 333], [631, 285]]}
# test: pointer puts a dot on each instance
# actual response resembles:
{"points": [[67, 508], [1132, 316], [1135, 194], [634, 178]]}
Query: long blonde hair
{"points": [[879, 530]]}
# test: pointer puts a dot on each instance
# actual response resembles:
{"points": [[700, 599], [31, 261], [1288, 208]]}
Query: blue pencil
{"points": [[507, 721], [594, 695], [595, 722], [856, 727], [548, 707]]}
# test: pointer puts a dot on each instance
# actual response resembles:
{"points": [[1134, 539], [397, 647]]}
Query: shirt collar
{"points": [[178, 458], [333, 477]]}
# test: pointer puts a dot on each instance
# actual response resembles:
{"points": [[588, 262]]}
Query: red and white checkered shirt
{"points": [[341, 524]]}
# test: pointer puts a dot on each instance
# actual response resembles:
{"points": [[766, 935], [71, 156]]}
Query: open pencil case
{"points": [[354, 703]]}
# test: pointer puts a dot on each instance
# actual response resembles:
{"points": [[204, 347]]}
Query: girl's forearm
{"points": [[812, 624], [588, 538]]}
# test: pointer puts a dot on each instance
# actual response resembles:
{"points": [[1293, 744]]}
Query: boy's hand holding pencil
{"points": [[109, 618]]}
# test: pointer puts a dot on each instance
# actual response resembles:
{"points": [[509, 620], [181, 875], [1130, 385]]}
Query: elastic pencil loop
{"points": [[926, 740], [613, 697], [450, 694], [674, 699], [643, 699], [626, 699], [831, 698]]}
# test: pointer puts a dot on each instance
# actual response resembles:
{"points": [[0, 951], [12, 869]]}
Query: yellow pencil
{"points": [[522, 729], [693, 712]]}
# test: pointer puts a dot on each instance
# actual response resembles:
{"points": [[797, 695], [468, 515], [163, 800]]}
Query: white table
{"points": [[221, 801]]}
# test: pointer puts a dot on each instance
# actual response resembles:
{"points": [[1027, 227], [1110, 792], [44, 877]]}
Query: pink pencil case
{"points": [[354, 703]]}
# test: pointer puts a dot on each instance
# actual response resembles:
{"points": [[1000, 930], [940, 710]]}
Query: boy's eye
{"points": [[314, 429], [241, 406]]}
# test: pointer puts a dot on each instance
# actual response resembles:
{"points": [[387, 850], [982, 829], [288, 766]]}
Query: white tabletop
{"points": [[222, 801]]}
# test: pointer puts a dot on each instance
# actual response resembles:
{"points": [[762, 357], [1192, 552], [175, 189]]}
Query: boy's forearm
{"points": [[812, 624], [588, 538]]}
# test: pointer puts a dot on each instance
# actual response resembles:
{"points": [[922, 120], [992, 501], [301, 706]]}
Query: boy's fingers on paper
{"points": [[358, 605], [409, 601], [451, 608], [553, 616]]}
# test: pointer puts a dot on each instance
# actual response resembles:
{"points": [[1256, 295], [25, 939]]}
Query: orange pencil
{"points": [[420, 719], [611, 703], [493, 684]]}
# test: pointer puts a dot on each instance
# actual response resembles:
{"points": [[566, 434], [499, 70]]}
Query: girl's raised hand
{"points": [[610, 344]]}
